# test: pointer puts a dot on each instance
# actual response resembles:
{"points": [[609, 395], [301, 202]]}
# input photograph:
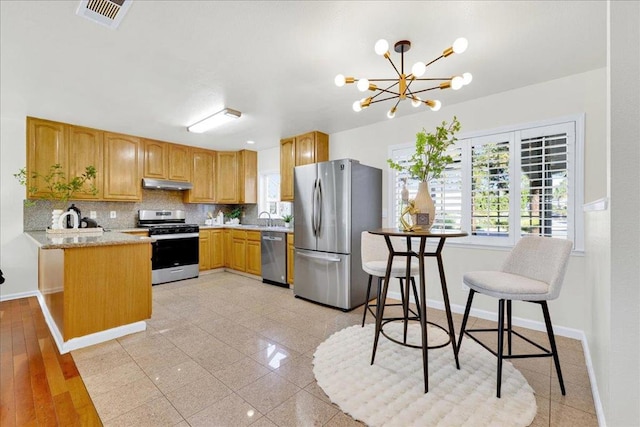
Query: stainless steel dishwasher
{"points": [[274, 257]]}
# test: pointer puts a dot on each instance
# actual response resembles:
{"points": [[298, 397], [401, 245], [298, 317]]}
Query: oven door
{"points": [[175, 250]]}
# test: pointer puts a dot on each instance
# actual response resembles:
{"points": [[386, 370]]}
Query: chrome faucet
{"points": [[269, 221]]}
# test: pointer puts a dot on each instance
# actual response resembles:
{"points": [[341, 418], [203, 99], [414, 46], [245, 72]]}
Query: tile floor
{"points": [[225, 349]]}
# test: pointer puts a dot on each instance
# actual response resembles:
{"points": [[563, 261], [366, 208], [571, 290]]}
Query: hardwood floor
{"points": [[38, 385]]}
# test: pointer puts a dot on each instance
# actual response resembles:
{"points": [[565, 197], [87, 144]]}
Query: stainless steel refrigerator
{"points": [[333, 203]]}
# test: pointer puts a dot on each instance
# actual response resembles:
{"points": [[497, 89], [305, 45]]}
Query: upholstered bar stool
{"points": [[375, 255], [533, 272]]}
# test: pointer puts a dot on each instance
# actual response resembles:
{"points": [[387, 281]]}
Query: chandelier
{"points": [[403, 86]]}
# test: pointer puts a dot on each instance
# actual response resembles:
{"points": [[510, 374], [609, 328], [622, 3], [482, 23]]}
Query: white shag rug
{"points": [[391, 391]]}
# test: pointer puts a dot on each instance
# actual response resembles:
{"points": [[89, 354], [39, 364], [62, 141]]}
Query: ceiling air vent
{"points": [[106, 12]]}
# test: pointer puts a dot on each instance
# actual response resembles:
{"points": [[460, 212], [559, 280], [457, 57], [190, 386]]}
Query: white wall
{"points": [[18, 256], [582, 93]]}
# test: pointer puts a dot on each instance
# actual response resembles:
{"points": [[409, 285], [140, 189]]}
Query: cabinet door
{"points": [[46, 146], [247, 176], [85, 149], [179, 163], [217, 248], [202, 170], [227, 177], [253, 261], [156, 160], [205, 250], [228, 248], [290, 258], [239, 249], [287, 163], [306, 149], [122, 167]]}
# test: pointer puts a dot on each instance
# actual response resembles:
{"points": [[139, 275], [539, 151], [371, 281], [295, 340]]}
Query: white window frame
{"points": [[575, 153], [262, 193]]}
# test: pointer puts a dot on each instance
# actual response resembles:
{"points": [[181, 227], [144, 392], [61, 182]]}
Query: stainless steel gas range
{"points": [[176, 247]]}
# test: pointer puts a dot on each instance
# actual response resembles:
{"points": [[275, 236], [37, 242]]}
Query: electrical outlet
{"points": [[112, 214], [93, 214]]}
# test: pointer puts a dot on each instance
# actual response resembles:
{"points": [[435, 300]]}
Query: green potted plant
{"points": [[57, 187], [235, 214], [428, 162], [287, 220]]}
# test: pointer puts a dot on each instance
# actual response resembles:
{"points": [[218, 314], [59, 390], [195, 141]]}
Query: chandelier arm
{"points": [[433, 79], [439, 57], [385, 99], [394, 65], [425, 90]]}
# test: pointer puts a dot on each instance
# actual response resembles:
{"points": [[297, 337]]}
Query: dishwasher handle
{"points": [[272, 238]]}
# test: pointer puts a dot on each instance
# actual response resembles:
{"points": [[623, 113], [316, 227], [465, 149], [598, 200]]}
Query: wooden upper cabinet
{"points": [[122, 167], [287, 163], [179, 163], [226, 177], [312, 147], [46, 146], [85, 148], [247, 176], [156, 159], [203, 163]]}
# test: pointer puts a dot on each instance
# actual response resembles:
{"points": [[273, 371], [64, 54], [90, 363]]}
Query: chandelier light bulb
{"points": [[381, 47], [418, 69], [460, 45], [340, 80], [415, 101], [467, 77], [363, 85], [357, 107], [391, 113], [457, 82], [434, 105]]}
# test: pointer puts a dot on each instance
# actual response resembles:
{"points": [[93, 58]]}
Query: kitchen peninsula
{"points": [[93, 287]]}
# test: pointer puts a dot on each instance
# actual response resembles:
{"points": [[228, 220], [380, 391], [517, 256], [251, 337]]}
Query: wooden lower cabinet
{"points": [[290, 258], [238, 250], [205, 250], [228, 253], [211, 249], [231, 248], [92, 289], [254, 258]]}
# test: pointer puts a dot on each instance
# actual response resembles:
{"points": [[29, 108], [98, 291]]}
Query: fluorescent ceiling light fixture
{"points": [[217, 119]]}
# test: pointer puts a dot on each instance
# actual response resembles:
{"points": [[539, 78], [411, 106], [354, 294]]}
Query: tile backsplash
{"points": [[38, 217]]}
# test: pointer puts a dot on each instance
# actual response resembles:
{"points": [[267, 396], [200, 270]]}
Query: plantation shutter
{"points": [[545, 163], [447, 192], [490, 185]]}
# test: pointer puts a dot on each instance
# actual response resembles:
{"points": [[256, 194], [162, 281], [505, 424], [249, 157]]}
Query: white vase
{"points": [[55, 219], [424, 203]]}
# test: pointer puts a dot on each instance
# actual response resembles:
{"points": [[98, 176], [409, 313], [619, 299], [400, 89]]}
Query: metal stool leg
{"points": [[366, 304], [500, 342], [552, 341], [465, 318], [509, 326]]}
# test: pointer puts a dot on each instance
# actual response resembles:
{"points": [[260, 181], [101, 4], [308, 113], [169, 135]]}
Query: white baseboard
{"points": [[562, 331], [18, 295], [87, 340]]}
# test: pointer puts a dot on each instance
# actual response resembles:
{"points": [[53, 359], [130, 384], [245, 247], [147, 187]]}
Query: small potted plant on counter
{"points": [[287, 220], [234, 215]]}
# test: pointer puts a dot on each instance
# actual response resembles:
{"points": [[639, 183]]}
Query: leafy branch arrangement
{"points": [[235, 213], [58, 187], [430, 160]]}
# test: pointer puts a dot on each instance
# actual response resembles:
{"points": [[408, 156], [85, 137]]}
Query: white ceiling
{"points": [[171, 63]]}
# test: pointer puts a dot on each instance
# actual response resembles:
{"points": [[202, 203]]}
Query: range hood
{"points": [[163, 184]]}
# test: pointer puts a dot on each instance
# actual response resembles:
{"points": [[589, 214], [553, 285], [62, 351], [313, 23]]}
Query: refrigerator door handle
{"points": [[313, 207], [318, 257], [319, 226]]}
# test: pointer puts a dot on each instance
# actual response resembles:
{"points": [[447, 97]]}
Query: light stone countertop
{"points": [[80, 240], [248, 227]]}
